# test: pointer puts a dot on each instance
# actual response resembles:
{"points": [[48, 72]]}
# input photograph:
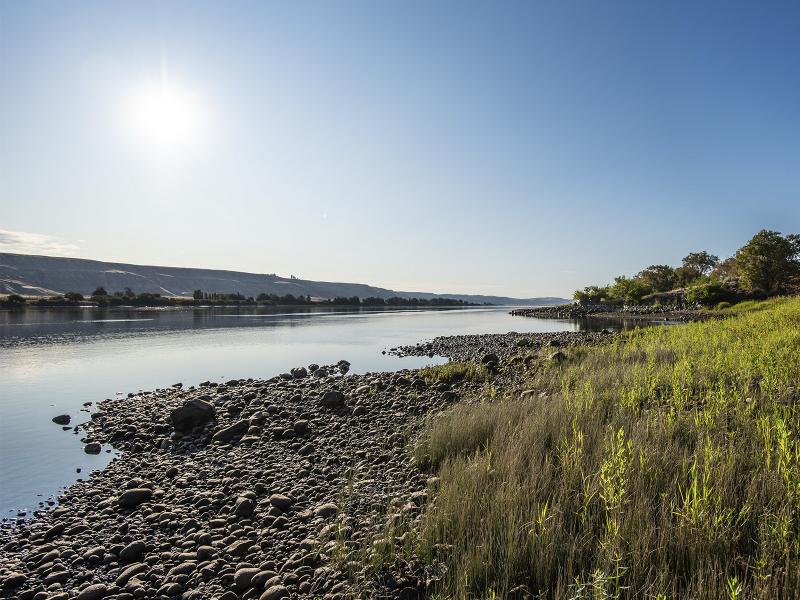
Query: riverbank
{"points": [[272, 497], [661, 465], [644, 312]]}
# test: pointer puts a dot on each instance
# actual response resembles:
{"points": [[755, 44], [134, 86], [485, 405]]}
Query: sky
{"points": [[508, 148]]}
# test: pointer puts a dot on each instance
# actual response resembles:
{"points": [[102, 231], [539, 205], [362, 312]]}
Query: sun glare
{"points": [[163, 118]]}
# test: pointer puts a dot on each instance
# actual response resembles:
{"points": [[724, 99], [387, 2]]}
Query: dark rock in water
{"points": [[238, 429], [332, 399], [62, 419], [133, 498], [92, 448], [193, 413]]}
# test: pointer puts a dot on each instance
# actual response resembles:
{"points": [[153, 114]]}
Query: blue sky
{"points": [[519, 148]]}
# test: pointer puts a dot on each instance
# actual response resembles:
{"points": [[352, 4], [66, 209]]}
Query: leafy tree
{"points": [[660, 278], [73, 297], [198, 295], [684, 276], [726, 268], [769, 261], [100, 291], [592, 294], [629, 290], [701, 262], [706, 292], [15, 300]]}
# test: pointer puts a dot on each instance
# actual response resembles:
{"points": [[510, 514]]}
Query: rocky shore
{"points": [[252, 489], [502, 345], [577, 311]]}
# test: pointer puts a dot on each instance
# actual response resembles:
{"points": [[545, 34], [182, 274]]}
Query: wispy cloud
{"points": [[23, 242]]}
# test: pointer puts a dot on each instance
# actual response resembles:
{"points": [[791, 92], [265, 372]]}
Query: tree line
{"points": [[767, 265], [128, 297]]}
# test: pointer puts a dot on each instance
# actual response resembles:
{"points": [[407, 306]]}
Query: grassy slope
{"points": [[666, 464]]}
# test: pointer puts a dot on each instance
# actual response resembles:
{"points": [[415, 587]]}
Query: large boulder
{"points": [[194, 413], [62, 419]]}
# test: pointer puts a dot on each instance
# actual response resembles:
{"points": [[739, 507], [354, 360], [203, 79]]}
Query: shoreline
{"points": [[252, 503], [644, 313]]}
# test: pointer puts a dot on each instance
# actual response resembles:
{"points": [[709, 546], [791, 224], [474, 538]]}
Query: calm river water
{"points": [[54, 361]]}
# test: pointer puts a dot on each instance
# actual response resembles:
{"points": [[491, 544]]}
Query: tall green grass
{"points": [[663, 465]]}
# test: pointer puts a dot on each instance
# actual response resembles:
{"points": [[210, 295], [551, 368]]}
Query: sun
{"points": [[164, 118]]}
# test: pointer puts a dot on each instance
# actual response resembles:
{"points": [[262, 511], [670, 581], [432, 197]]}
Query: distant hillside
{"points": [[46, 275]]}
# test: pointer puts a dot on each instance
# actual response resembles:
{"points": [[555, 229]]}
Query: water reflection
{"points": [[53, 361]]}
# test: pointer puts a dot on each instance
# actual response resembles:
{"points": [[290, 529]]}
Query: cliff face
{"points": [[46, 275]]}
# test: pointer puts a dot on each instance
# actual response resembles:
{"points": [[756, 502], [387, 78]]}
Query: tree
{"points": [[659, 277], [629, 290], [15, 300], [198, 295], [769, 261], [592, 294], [701, 262], [100, 291]]}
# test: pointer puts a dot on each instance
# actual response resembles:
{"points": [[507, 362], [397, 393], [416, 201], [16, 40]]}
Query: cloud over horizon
{"points": [[24, 242]]}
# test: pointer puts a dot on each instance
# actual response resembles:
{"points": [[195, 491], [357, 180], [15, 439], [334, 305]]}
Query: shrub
{"points": [[723, 305], [706, 293]]}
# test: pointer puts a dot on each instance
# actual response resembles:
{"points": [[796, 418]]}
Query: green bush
{"points": [[706, 293]]}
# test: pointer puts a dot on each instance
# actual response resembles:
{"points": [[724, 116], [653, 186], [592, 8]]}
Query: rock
{"points": [[92, 448], [193, 413], [491, 357], [128, 573], [238, 429], [326, 510], [244, 507], [281, 502], [332, 399], [13, 580], [299, 373], [133, 498], [131, 553], [558, 357], [93, 592], [275, 592], [62, 419], [243, 578]]}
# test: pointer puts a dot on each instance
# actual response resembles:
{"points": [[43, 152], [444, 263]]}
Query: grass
{"points": [[455, 371], [663, 465]]}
